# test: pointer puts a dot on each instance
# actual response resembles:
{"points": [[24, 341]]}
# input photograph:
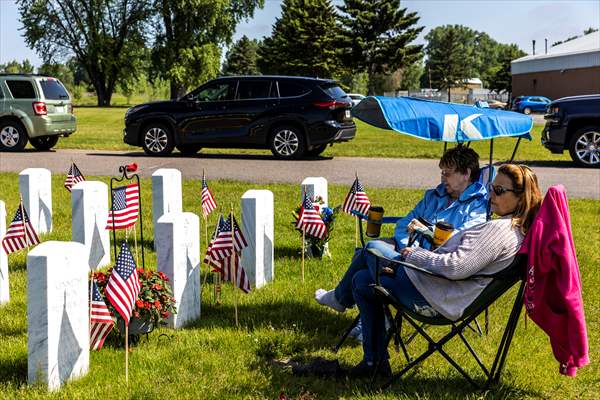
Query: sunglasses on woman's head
{"points": [[500, 190]]}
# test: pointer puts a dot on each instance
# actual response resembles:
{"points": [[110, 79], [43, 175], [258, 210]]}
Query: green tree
{"points": [[15, 67], [302, 41], [376, 37], [450, 56], [502, 78], [241, 58], [59, 71], [103, 35], [411, 75], [189, 38]]}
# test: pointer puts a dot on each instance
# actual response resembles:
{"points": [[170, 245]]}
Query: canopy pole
{"points": [[445, 146], [491, 150], [515, 150]]}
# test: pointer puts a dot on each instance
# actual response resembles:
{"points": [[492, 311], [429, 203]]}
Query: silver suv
{"points": [[35, 108]]}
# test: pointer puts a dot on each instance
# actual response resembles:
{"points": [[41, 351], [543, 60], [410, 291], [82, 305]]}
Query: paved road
{"points": [[373, 172]]}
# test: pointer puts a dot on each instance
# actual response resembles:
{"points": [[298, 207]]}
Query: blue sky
{"points": [[507, 21]]}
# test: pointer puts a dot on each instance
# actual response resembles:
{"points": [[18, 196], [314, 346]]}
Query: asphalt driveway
{"points": [[373, 172]]}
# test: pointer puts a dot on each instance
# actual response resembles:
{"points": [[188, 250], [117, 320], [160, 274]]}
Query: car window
{"points": [[21, 89], [218, 91], [1, 93], [291, 89], [53, 89], [253, 90], [333, 90]]}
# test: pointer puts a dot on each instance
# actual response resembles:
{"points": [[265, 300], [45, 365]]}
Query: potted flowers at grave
{"points": [[155, 302], [316, 247]]}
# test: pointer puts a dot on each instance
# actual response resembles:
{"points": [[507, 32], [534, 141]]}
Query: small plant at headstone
{"points": [[315, 247], [155, 302]]}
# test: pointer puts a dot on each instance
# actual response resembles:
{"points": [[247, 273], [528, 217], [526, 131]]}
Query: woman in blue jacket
{"points": [[460, 199]]}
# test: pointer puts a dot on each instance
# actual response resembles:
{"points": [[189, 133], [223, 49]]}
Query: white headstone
{"points": [[89, 203], [166, 194], [4, 289], [35, 185], [57, 313], [315, 187], [257, 226], [178, 256]]}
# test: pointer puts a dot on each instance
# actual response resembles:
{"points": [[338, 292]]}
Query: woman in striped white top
{"points": [[483, 249]]}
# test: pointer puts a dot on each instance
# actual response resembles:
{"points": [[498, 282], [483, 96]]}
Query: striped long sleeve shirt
{"points": [[483, 249]]}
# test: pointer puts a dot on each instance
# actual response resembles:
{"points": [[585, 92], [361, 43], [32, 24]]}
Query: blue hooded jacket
{"points": [[468, 210]]}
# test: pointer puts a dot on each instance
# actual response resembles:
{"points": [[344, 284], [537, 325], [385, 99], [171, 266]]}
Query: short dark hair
{"points": [[462, 158]]}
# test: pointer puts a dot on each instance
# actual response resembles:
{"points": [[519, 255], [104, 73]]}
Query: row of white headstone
{"points": [[57, 274]]}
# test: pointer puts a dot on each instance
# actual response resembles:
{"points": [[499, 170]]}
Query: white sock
{"points": [[327, 298]]}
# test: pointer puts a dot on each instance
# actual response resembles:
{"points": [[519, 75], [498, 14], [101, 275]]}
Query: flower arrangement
{"points": [[316, 246], [155, 302]]}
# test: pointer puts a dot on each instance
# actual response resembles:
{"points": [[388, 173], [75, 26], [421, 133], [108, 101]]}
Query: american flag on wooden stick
{"points": [[232, 271], [125, 207], [124, 284], [101, 319], [20, 232], [74, 176], [357, 199], [310, 221], [208, 201]]}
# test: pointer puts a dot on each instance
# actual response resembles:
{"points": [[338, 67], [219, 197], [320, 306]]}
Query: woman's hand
{"points": [[413, 225], [406, 251]]}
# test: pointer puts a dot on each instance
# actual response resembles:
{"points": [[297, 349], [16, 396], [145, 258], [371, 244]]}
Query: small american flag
{"points": [[126, 206], [310, 221], [223, 244], [20, 233], [101, 319], [208, 201], [74, 176], [357, 199], [124, 285], [232, 271]]}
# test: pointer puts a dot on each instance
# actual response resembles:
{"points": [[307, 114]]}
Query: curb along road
{"points": [[373, 172]]}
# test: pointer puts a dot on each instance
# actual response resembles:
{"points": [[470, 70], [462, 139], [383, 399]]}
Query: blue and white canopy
{"points": [[437, 121]]}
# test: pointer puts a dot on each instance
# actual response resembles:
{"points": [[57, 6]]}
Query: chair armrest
{"points": [[377, 253]]}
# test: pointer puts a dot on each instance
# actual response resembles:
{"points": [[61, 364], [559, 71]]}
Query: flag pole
{"points": [[355, 220], [127, 353], [303, 238], [137, 258], [235, 305], [206, 241]]}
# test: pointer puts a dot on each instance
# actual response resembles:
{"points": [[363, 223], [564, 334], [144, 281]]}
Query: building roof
{"points": [[582, 52]]}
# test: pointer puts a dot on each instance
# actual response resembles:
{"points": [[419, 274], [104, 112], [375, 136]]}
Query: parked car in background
{"points": [[529, 104], [573, 123], [292, 116], [33, 108], [356, 98]]}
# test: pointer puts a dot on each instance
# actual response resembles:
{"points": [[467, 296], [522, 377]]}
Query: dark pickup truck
{"points": [[573, 123]]}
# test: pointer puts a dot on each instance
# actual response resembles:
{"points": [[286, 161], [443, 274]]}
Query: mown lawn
{"points": [[212, 359], [102, 129]]}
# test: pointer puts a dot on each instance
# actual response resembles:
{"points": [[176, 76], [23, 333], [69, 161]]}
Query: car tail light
{"points": [[70, 108], [331, 104], [39, 108]]}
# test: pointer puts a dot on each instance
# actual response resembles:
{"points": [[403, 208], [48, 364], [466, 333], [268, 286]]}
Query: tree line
{"points": [[367, 45]]}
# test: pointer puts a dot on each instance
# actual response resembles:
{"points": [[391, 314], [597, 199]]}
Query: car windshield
{"points": [[53, 89]]}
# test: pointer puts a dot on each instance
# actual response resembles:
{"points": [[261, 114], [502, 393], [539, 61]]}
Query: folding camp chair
{"points": [[486, 175], [500, 284]]}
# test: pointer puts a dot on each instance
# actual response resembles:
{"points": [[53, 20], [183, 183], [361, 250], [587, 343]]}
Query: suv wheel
{"points": [[188, 149], [527, 111], [44, 142], [585, 146], [12, 136], [287, 142], [315, 151], [157, 140]]}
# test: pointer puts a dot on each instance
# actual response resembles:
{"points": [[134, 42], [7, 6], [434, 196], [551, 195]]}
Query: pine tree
{"points": [[376, 36], [450, 56], [303, 41], [241, 58]]}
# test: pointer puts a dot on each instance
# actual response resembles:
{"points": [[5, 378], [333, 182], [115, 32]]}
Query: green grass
{"points": [[212, 359], [102, 129]]}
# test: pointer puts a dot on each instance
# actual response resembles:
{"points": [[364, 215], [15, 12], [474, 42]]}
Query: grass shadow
{"points": [[288, 252], [262, 157], [14, 371]]}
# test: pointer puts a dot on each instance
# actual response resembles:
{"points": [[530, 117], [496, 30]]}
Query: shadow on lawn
{"points": [[14, 371], [263, 157]]}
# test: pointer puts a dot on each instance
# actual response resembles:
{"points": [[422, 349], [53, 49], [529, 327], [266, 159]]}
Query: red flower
{"points": [[166, 314], [156, 286], [163, 277], [136, 314], [147, 305], [139, 303], [157, 304]]}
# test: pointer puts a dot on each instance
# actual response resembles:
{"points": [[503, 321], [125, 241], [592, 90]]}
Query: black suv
{"points": [[573, 123], [292, 116]]}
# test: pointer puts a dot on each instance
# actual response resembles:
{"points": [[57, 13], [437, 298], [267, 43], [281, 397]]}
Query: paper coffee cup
{"points": [[442, 232], [374, 221]]}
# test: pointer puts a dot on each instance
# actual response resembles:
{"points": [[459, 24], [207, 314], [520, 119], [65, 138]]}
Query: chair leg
{"points": [[344, 336]]}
